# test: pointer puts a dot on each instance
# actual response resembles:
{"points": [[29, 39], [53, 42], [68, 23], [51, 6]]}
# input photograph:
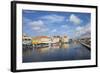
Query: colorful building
{"points": [[41, 40]]}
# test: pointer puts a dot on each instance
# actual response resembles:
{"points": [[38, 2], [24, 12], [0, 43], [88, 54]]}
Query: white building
{"points": [[64, 39], [26, 40]]}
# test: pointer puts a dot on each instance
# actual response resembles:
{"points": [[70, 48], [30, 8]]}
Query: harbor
{"points": [[46, 50]]}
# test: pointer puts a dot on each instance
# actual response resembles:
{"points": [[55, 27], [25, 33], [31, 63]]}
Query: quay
{"points": [[84, 43]]}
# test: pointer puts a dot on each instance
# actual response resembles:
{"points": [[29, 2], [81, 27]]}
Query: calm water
{"points": [[55, 52]]}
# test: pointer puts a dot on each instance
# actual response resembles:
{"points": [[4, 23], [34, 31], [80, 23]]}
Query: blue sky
{"points": [[49, 23]]}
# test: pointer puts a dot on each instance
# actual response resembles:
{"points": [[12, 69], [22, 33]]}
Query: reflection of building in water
{"points": [[42, 49], [26, 40], [27, 52], [65, 46], [55, 45]]}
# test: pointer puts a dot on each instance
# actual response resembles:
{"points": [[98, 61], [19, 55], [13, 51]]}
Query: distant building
{"points": [[41, 39], [26, 40], [55, 39], [47, 40], [64, 39], [35, 40]]}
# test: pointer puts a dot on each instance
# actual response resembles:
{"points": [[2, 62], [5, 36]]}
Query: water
{"points": [[56, 52]]}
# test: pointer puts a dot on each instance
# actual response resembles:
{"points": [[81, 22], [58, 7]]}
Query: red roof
{"points": [[41, 37]]}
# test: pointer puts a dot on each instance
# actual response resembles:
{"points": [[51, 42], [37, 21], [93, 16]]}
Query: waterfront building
{"points": [[55, 39], [45, 39], [65, 39], [26, 40], [41, 39]]}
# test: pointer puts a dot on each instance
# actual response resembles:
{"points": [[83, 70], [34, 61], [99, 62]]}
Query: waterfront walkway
{"points": [[85, 44]]}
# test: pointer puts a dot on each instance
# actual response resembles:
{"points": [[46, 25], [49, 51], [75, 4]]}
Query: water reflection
{"points": [[27, 52], [56, 52], [51, 48], [65, 46], [42, 49]]}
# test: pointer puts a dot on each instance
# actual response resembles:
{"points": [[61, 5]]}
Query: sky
{"points": [[50, 23]]}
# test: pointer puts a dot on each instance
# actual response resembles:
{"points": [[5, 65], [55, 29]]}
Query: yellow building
{"points": [[41, 39], [47, 40]]}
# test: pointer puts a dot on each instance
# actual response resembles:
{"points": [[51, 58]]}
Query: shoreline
{"points": [[88, 47]]}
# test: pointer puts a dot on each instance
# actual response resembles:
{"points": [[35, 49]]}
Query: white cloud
{"points": [[79, 28], [64, 26], [54, 30], [38, 26], [26, 20], [84, 31], [73, 18], [37, 23], [53, 18]]}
